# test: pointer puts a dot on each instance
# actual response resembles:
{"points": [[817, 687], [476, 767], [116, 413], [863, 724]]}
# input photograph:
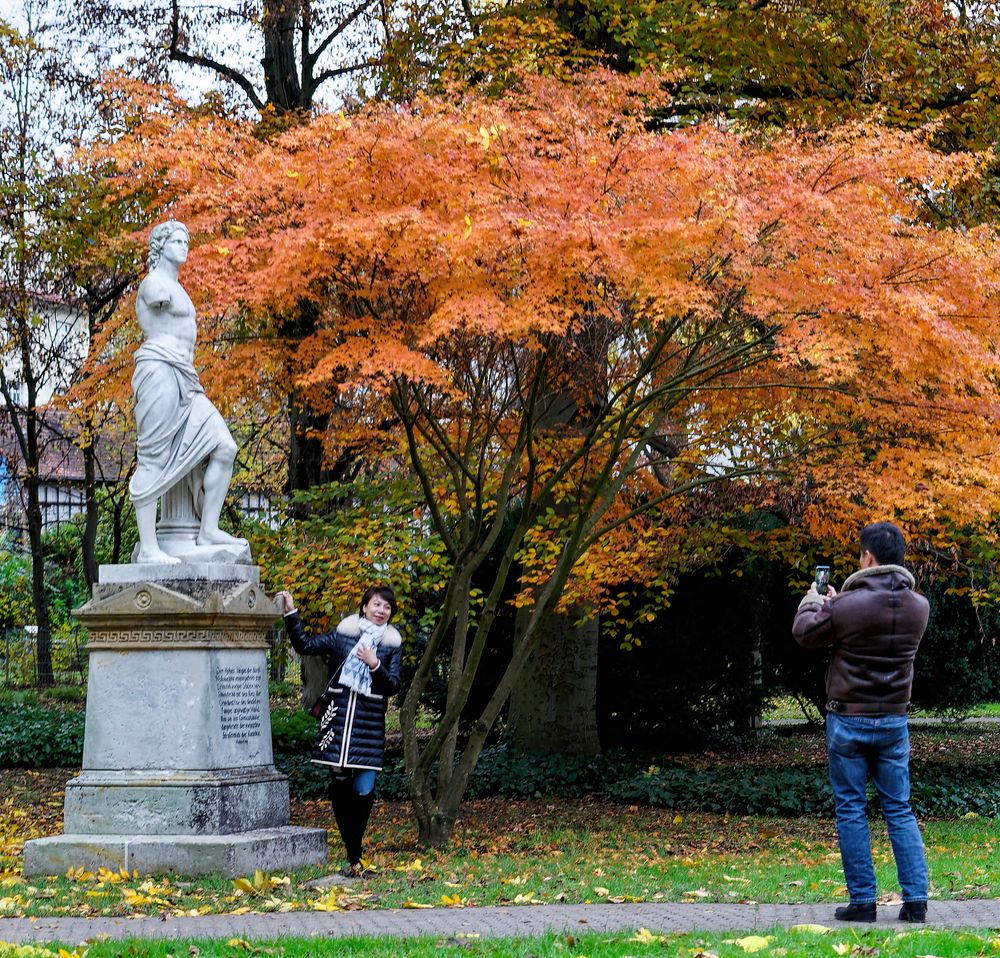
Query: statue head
{"points": [[159, 236]]}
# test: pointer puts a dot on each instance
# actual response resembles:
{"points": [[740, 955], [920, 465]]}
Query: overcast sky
{"points": [[11, 11]]}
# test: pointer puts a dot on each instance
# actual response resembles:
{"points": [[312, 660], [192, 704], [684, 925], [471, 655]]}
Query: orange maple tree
{"points": [[565, 323]]}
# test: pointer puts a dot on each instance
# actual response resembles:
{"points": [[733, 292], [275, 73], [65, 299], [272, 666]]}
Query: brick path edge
{"points": [[499, 922]]}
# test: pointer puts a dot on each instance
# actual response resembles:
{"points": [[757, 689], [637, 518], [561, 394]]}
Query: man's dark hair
{"points": [[885, 542], [383, 592]]}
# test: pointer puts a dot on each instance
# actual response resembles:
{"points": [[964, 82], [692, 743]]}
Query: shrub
{"points": [[33, 737], [516, 774], [15, 590], [305, 780], [957, 666], [11, 698], [292, 732], [72, 694], [283, 689], [939, 790], [789, 792], [699, 671]]}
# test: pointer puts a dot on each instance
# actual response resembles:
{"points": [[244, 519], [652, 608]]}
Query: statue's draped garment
{"points": [[176, 424]]}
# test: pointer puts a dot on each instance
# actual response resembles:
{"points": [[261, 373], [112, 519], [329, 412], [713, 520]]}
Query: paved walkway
{"points": [[493, 921]]}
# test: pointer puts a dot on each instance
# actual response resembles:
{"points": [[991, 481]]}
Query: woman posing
{"points": [[364, 655]]}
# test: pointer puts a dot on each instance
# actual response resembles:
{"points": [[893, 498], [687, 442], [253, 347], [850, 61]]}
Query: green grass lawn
{"points": [[788, 708], [525, 852], [805, 941], [519, 853]]}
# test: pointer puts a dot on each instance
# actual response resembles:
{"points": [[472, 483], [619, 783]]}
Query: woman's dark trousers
{"points": [[352, 810]]}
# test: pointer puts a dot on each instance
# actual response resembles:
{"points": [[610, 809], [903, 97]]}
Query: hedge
{"points": [[38, 737], [35, 737], [941, 791]]}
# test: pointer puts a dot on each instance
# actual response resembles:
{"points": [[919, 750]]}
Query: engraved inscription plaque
{"points": [[239, 688]]}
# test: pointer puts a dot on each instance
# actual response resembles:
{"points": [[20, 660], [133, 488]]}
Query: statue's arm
{"points": [[152, 305], [154, 293]]}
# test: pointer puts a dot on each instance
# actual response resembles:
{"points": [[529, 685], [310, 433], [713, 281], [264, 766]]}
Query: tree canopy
{"points": [[538, 300]]}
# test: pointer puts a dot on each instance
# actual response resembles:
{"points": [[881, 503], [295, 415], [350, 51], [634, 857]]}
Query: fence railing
{"points": [[21, 668]]}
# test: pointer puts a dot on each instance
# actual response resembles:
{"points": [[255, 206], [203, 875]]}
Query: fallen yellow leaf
{"points": [[812, 929], [647, 937], [750, 944], [328, 903]]}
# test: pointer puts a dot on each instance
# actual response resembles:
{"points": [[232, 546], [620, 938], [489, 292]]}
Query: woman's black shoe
{"points": [[913, 911], [865, 912]]}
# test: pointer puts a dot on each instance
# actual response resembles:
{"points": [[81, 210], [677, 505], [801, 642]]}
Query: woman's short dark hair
{"points": [[383, 592], [885, 542]]}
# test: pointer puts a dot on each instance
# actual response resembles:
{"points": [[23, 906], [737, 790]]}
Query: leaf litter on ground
{"points": [[527, 852]]}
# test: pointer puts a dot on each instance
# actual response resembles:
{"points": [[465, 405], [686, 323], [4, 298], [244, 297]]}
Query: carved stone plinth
{"points": [[177, 748]]}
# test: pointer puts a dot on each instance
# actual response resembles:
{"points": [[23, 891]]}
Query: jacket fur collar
{"points": [[351, 627], [854, 579]]}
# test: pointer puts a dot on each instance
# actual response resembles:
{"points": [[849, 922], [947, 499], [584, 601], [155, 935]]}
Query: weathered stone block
{"points": [[109, 803], [177, 708], [271, 850]]}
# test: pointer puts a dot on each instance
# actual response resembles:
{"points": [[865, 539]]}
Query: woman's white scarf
{"points": [[355, 674]]}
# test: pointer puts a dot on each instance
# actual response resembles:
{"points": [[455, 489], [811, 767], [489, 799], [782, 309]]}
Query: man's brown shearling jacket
{"points": [[874, 624]]}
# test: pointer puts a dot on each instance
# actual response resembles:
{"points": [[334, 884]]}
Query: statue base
{"points": [[190, 553], [269, 849], [178, 772]]}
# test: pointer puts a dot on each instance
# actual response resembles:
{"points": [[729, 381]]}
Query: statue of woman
{"points": [[181, 436]]}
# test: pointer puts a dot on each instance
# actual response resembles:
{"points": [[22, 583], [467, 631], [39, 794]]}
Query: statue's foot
{"points": [[156, 557], [216, 537]]}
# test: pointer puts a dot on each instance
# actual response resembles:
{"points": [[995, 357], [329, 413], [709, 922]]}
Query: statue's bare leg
{"points": [[149, 548], [216, 484]]}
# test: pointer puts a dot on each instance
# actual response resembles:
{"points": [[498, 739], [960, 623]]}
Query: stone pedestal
{"points": [[178, 772]]}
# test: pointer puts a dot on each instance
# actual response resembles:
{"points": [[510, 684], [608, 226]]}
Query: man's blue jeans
{"points": [[859, 747]]}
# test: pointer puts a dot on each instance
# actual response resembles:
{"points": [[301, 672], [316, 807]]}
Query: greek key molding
{"points": [[177, 638]]}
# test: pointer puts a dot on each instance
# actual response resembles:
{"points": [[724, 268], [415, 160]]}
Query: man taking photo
{"points": [[873, 627]]}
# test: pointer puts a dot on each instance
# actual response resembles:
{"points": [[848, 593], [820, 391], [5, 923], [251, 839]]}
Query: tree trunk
{"points": [[438, 832], [305, 448], [315, 678], [553, 707], [281, 73], [39, 599], [117, 524], [434, 814], [306, 427], [88, 544]]}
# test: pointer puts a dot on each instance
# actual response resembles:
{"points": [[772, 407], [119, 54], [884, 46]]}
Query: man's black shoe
{"points": [[913, 911], [852, 912]]}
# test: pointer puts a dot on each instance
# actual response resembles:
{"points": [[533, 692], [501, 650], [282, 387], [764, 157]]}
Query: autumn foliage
{"points": [[564, 323], [498, 219]]}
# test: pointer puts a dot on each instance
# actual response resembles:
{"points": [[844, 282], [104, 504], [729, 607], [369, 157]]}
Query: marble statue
{"points": [[183, 443]]}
